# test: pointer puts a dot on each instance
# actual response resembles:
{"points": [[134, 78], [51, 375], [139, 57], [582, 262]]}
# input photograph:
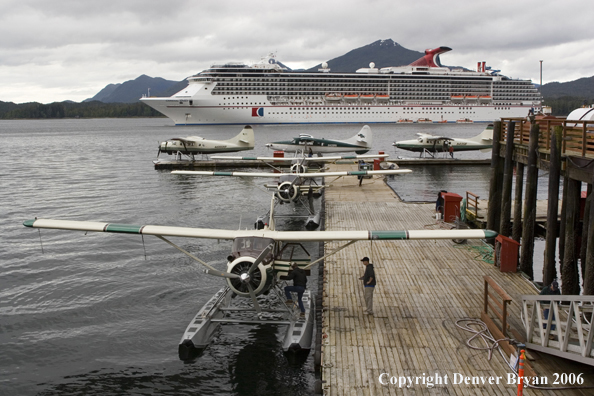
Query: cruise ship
{"points": [[268, 93]]}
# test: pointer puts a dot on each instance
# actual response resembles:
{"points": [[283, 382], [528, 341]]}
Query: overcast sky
{"points": [[55, 50]]}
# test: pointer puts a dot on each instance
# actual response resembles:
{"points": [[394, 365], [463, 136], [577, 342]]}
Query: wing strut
{"points": [[329, 254], [189, 255]]}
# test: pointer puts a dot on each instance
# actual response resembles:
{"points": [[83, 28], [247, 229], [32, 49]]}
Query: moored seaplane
{"points": [[294, 187], [432, 144], [193, 145], [360, 144], [254, 270]]}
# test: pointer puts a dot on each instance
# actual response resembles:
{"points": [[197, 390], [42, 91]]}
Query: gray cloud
{"points": [[67, 49]]}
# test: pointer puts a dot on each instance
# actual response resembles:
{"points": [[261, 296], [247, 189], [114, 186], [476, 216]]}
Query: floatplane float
{"points": [[255, 268], [360, 144], [299, 185], [432, 144], [192, 145]]}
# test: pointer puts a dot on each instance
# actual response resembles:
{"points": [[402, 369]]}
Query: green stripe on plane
{"points": [[123, 228], [388, 235]]}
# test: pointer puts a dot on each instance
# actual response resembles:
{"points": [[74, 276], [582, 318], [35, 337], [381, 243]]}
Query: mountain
{"points": [[132, 90], [583, 87], [383, 53]]}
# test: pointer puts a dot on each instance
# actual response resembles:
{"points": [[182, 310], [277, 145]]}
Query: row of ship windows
{"points": [[350, 80]]}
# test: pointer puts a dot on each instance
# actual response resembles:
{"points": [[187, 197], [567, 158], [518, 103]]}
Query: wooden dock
{"points": [[423, 289]]}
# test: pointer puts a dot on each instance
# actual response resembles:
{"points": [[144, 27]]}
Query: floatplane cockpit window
{"points": [[250, 246]]}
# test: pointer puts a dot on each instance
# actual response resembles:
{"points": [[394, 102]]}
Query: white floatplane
{"points": [[360, 144], [295, 187], [193, 145], [433, 144], [254, 270]]}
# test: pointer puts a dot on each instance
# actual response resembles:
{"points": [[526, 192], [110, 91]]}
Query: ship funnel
{"points": [[431, 58]]}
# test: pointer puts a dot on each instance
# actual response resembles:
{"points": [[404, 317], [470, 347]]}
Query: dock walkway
{"points": [[423, 288]]}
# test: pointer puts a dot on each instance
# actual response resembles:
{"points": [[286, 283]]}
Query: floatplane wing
{"points": [[308, 175], [284, 236], [307, 159], [255, 266]]}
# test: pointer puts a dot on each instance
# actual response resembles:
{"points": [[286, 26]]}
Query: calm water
{"points": [[103, 313]]}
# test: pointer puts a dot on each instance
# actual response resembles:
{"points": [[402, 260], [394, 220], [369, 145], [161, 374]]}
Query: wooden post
{"points": [[496, 180], [527, 254], [569, 269], [508, 173], [517, 228], [584, 232], [562, 224], [549, 270], [589, 272]]}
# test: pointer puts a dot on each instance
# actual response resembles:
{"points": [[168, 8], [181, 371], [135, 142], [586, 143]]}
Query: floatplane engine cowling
{"points": [[258, 279], [287, 191], [298, 168]]}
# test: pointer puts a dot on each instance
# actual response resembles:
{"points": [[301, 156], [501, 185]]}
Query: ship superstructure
{"points": [[267, 93]]}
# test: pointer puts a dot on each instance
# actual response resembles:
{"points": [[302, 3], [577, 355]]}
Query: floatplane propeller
{"points": [[256, 265]]}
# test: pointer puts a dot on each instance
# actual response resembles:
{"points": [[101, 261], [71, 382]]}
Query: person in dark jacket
{"points": [[369, 281], [299, 278]]}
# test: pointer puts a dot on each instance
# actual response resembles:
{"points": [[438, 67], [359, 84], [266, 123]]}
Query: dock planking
{"points": [[423, 288]]}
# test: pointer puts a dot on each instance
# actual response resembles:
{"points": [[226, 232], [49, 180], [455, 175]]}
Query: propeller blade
{"points": [[221, 274], [254, 299], [260, 257]]}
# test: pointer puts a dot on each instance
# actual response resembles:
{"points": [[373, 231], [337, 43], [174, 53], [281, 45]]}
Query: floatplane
{"points": [[299, 185], [192, 145], [255, 267], [360, 144], [432, 144]]}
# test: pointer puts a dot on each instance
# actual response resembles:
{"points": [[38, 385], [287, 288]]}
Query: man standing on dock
{"points": [[368, 279]]}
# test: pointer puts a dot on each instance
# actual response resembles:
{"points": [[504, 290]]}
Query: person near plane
{"points": [[299, 278], [451, 149], [369, 282]]}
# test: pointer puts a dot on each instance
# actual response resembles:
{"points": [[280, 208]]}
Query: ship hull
{"points": [[209, 112]]}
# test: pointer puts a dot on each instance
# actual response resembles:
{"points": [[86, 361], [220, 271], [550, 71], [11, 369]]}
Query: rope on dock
{"points": [[484, 252]]}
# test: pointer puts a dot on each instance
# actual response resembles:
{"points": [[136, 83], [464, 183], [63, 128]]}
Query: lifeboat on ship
{"points": [[351, 97], [457, 98], [484, 98], [464, 121], [334, 97], [424, 121], [367, 98], [382, 97], [405, 121], [471, 98]]}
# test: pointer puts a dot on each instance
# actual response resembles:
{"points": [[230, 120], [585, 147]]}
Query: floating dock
{"points": [[214, 164], [423, 289]]}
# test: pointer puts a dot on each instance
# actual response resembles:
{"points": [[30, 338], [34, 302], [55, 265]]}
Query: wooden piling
{"points": [[549, 267], [589, 267], [584, 232], [526, 258], [569, 269], [508, 173], [517, 223], [493, 218]]}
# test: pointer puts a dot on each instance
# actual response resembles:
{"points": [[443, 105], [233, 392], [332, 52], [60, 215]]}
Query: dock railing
{"points": [[560, 325], [498, 301], [472, 204], [577, 136]]}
